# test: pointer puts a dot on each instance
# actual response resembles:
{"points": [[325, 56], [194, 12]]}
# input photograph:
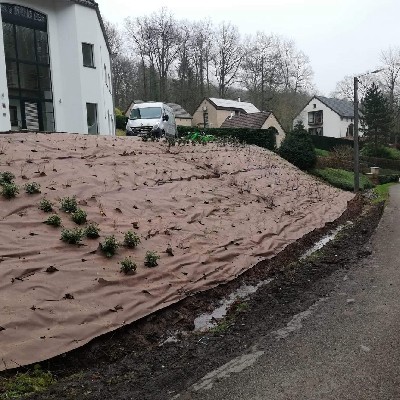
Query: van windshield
{"points": [[146, 113]]}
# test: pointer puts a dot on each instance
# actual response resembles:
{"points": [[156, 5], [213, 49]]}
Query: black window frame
{"points": [[91, 46], [18, 15]]}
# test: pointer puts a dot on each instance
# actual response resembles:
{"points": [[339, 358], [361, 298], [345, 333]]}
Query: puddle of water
{"points": [[209, 320], [325, 240]]}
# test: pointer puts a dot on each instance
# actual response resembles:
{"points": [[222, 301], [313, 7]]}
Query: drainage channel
{"points": [[207, 321]]}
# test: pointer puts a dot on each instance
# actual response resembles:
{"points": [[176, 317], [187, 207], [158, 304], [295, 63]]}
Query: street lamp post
{"points": [[356, 146]]}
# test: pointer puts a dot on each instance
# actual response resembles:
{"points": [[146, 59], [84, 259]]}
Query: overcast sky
{"points": [[341, 37]]}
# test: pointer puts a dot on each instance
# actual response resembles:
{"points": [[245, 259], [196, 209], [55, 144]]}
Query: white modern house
{"points": [[55, 68], [331, 117]]}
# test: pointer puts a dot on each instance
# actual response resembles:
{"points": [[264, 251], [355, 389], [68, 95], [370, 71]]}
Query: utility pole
{"points": [[262, 85], [356, 146]]}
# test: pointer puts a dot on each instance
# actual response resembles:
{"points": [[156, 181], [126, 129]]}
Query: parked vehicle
{"points": [[155, 119]]}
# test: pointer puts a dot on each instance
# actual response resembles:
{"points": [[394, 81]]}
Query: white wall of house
{"points": [[333, 125], [271, 121], [70, 25]]}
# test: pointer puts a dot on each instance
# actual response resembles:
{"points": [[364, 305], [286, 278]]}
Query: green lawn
{"points": [[342, 179], [120, 132], [322, 153], [382, 192]]}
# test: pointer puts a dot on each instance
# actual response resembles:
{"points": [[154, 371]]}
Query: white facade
{"points": [[333, 124], [73, 85]]}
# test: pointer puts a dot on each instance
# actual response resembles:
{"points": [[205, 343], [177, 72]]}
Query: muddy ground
{"points": [[132, 364]]}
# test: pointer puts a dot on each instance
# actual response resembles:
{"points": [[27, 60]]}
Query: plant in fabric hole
{"points": [[151, 259], [53, 220], [92, 231], [9, 190], [69, 204], [72, 236], [45, 205], [32, 188], [109, 246], [79, 216], [6, 177], [128, 266], [131, 239], [23, 384]]}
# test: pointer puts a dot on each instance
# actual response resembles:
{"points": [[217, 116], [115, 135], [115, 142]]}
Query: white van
{"points": [[155, 119]]}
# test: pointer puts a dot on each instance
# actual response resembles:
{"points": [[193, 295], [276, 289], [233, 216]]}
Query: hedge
{"points": [[260, 137], [342, 179], [382, 179], [120, 121], [328, 143]]}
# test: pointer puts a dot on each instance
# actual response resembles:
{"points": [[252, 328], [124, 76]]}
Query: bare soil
{"points": [[131, 363]]}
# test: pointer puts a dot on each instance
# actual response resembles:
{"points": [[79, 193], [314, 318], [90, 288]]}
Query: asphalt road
{"points": [[346, 346]]}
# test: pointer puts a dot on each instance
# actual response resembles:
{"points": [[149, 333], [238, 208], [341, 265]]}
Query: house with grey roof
{"points": [[325, 116], [212, 112], [260, 120]]}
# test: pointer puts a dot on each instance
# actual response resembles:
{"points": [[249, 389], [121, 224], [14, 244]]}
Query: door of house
{"points": [[31, 115]]}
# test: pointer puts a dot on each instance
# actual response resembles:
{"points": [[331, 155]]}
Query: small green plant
{"points": [[128, 266], [53, 220], [9, 190], [72, 236], [32, 188], [109, 246], [79, 216], [45, 205], [6, 177], [92, 231], [23, 384], [69, 204], [151, 259], [131, 239]]}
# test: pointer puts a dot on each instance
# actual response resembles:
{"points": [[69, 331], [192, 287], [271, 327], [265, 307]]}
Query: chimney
{"points": [[239, 99]]}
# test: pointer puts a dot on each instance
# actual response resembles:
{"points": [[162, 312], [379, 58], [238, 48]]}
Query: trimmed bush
{"points": [[382, 179], [259, 137], [342, 179], [120, 121], [328, 143], [298, 149]]}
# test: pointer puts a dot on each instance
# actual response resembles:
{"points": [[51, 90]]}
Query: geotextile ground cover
{"points": [[209, 212]]}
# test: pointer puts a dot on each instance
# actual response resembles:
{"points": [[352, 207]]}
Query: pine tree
{"points": [[377, 118]]}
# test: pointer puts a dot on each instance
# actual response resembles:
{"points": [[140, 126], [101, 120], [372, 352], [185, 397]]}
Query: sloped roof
{"points": [[251, 121], [95, 6], [344, 108], [179, 111], [233, 105]]}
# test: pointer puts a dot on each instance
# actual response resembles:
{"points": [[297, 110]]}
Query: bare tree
{"points": [[227, 57], [156, 40]]}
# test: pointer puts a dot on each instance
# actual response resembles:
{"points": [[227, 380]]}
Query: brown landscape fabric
{"points": [[220, 208]]}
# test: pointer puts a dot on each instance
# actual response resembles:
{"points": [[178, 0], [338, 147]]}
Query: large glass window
{"points": [[26, 44], [28, 67]]}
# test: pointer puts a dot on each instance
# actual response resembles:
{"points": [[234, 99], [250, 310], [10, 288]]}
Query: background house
{"points": [[331, 117], [182, 117], [57, 67], [213, 112], [261, 120]]}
